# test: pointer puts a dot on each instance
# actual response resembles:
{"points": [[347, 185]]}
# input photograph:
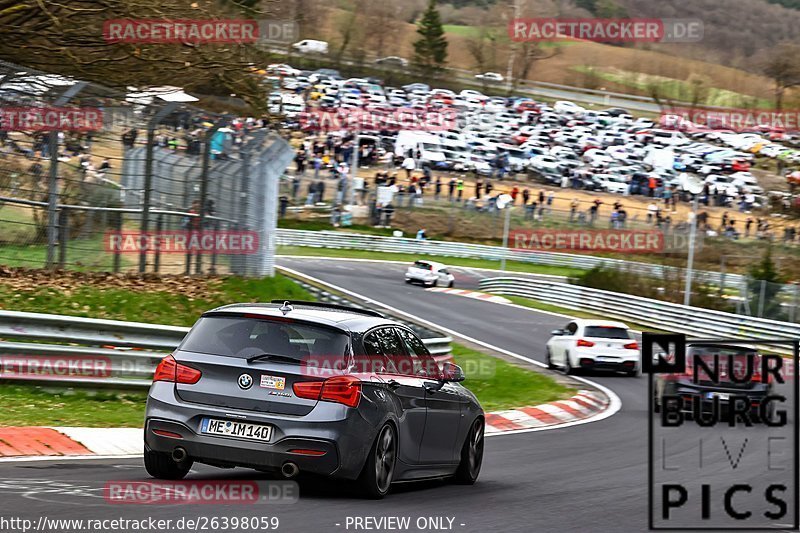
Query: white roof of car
{"points": [[608, 323], [432, 263]]}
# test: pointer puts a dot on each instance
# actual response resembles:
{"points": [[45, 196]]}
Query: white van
{"points": [[311, 45], [669, 137], [428, 145]]}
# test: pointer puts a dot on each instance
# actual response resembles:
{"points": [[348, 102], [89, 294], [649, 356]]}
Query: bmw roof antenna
{"points": [[285, 308]]}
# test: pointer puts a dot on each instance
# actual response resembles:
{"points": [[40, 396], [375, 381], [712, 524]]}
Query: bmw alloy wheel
{"points": [[385, 453]]}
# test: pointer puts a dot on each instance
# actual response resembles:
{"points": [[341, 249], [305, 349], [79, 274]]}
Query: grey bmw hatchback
{"points": [[296, 387]]}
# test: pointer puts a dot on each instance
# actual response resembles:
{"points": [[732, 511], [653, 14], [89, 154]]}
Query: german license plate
{"points": [[724, 396], [228, 428]]}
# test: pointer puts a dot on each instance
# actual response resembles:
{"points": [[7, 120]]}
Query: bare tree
{"points": [[67, 38], [783, 66], [699, 89], [383, 20], [350, 26], [483, 49], [528, 54]]}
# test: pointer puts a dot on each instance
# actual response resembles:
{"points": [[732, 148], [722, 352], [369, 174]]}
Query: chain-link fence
{"points": [[94, 178]]}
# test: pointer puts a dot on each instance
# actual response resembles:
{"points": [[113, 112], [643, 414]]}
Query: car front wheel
{"points": [[548, 358], [376, 478], [471, 455]]}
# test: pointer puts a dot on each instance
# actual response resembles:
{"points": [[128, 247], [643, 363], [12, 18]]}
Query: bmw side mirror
{"points": [[452, 373], [557, 332]]}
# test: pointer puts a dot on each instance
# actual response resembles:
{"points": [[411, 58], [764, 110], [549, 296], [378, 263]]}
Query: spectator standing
{"points": [[573, 208], [652, 212], [409, 165], [300, 162], [388, 212], [320, 191]]}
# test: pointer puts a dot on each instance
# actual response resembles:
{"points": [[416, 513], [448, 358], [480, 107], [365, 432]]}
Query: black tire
{"points": [[471, 455], [549, 359], [408, 281], [450, 286], [161, 466], [376, 478], [568, 370], [435, 283]]}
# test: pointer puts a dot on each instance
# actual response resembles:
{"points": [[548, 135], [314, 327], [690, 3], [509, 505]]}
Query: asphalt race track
{"points": [[590, 477]]}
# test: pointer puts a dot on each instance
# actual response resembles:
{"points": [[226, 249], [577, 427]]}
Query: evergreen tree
{"points": [[430, 50], [767, 274]]}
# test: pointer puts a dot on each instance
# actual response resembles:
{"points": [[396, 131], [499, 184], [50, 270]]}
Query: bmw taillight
{"points": [[585, 343], [310, 390], [170, 370], [632, 346], [339, 389]]}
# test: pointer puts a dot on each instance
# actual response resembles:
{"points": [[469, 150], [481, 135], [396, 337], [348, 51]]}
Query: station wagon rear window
{"points": [[604, 332], [247, 337]]}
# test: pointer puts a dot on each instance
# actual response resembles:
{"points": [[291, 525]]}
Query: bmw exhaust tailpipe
{"points": [[179, 455], [289, 470]]}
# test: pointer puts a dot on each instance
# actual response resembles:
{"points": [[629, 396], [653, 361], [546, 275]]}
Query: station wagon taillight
{"points": [[584, 343], [170, 370], [632, 346], [339, 389]]}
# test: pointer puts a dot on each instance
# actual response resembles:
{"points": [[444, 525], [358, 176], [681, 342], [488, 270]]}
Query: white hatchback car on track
{"points": [[594, 345], [429, 273]]}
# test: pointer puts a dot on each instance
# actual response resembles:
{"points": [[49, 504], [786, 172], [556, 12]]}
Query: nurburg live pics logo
{"points": [[721, 458]]}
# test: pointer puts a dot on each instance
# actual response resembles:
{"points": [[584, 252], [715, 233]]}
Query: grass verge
{"points": [[29, 405], [452, 261], [501, 385], [158, 302]]}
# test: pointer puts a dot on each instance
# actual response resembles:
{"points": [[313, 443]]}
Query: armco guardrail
{"points": [[693, 321], [106, 353], [377, 243]]}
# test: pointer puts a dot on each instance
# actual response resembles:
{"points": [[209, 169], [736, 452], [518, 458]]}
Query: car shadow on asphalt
{"points": [[313, 486]]}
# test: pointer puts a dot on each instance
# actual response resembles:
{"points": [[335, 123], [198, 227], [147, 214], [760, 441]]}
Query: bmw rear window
{"points": [[247, 337], [604, 332]]}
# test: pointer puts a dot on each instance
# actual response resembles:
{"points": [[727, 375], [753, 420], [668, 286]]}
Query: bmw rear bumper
{"points": [[340, 436], [617, 364]]}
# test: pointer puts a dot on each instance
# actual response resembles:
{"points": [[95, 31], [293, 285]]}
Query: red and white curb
{"points": [[472, 294], [66, 442], [583, 405]]}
